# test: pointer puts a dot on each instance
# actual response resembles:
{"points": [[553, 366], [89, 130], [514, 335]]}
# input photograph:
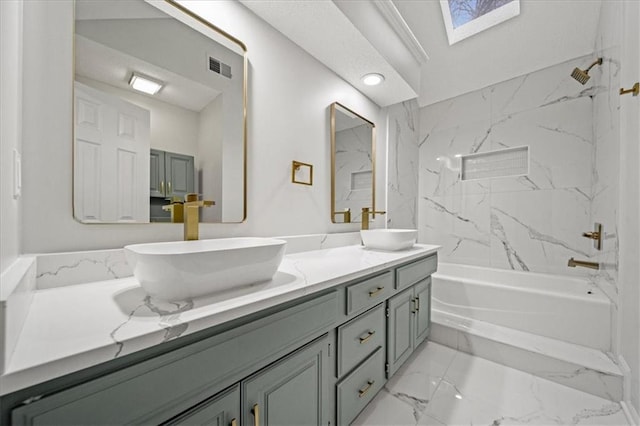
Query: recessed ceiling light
{"points": [[145, 84], [372, 79]]}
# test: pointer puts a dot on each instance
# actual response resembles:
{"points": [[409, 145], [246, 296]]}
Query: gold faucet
{"points": [[365, 216], [192, 215], [573, 263], [176, 207], [346, 214]]}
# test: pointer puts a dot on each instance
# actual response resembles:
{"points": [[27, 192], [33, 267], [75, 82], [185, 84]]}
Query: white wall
{"points": [[209, 165], [616, 196], [11, 128], [629, 270], [288, 119]]}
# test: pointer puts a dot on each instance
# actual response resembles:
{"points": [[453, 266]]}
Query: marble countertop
{"points": [[77, 326]]}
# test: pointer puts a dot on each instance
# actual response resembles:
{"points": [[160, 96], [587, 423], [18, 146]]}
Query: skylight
{"points": [[464, 18]]}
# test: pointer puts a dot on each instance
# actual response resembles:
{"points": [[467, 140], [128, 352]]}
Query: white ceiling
{"points": [[104, 64], [320, 28], [545, 33]]}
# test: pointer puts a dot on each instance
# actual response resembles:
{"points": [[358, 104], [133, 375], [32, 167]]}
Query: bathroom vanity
{"points": [[313, 346]]}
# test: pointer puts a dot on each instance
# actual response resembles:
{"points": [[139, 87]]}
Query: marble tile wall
{"points": [[606, 166], [529, 223], [403, 154]]}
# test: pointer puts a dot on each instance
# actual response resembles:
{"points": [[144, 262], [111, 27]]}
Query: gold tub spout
{"points": [[592, 265]]}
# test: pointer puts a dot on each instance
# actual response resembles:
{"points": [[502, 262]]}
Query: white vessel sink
{"points": [[389, 239], [186, 269]]}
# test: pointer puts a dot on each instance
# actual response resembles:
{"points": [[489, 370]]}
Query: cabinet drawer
{"points": [[359, 387], [222, 409], [359, 337], [416, 271], [156, 390], [368, 293]]}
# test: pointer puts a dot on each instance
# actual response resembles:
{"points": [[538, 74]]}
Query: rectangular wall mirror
{"points": [[159, 112], [353, 140]]}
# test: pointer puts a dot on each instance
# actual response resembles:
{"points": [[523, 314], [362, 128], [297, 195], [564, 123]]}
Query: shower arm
{"points": [[597, 62]]}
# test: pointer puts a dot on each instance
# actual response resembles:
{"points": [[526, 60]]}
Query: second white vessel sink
{"points": [[389, 239], [186, 269]]}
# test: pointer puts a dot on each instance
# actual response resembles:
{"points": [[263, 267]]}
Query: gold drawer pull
{"points": [[374, 293], [234, 422], [362, 392], [256, 415], [367, 337], [417, 303]]}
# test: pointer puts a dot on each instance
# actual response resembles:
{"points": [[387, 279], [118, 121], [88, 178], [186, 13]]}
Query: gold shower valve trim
{"points": [[635, 90], [596, 235]]}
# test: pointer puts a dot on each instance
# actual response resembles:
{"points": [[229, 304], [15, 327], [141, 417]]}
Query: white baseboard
{"points": [[631, 413], [629, 410]]}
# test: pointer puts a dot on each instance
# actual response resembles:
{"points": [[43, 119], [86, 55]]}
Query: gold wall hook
{"points": [[635, 90]]}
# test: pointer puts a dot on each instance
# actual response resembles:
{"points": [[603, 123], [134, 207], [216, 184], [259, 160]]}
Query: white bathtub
{"points": [[547, 305]]}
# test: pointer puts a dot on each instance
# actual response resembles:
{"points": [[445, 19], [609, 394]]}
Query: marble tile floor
{"points": [[441, 386]]}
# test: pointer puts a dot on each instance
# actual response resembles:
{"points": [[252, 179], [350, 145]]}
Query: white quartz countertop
{"points": [[78, 326]]}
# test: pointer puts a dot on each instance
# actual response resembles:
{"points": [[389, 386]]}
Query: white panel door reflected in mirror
{"points": [[193, 94]]}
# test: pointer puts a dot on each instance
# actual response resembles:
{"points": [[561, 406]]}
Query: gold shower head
{"points": [[583, 76]]}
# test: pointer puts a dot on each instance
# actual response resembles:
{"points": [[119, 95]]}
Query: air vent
{"points": [[219, 67]]}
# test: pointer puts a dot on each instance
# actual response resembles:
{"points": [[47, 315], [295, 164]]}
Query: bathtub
{"points": [[558, 307]]}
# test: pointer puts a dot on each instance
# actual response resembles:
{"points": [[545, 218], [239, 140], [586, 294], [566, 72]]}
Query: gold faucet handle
{"points": [[191, 197], [208, 203], [366, 210]]}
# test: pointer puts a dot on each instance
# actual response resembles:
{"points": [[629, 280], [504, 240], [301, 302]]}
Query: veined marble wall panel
{"points": [[531, 223], [606, 165], [403, 161]]}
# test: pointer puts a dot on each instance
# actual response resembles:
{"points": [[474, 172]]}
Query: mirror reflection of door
{"points": [[195, 117], [353, 163], [111, 158]]}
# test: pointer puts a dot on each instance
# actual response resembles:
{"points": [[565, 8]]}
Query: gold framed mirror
{"points": [[160, 98], [353, 164]]}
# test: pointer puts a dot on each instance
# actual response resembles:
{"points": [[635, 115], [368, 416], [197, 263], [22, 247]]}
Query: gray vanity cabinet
{"points": [[221, 410], [275, 367], [422, 296], [171, 174], [400, 326], [293, 391], [408, 324]]}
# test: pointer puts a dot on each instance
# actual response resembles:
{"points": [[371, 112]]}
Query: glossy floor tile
{"points": [[441, 386]]}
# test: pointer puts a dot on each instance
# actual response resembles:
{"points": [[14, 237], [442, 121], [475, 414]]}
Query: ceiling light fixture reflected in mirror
{"points": [[145, 84], [372, 79]]}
